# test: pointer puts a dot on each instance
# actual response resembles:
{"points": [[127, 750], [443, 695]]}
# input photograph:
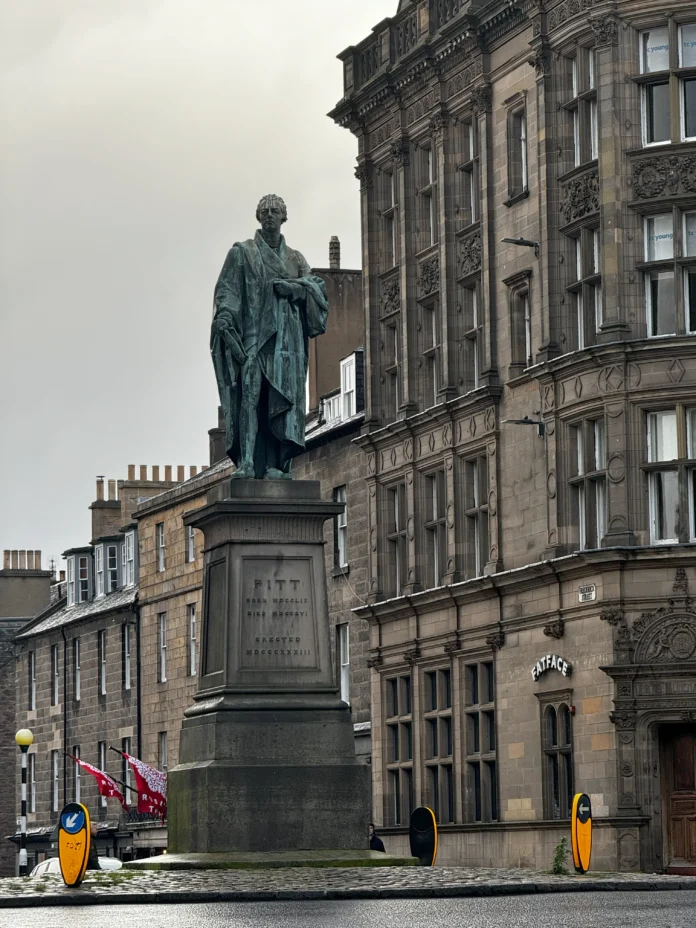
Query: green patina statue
{"points": [[268, 305]]}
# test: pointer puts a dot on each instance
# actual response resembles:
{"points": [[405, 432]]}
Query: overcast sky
{"points": [[137, 139]]}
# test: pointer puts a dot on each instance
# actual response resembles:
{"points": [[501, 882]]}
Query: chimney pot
{"points": [[100, 488], [155, 472], [131, 471], [112, 489], [180, 473], [14, 560], [168, 472], [30, 560], [37, 560], [6, 559], [143, 471], [335, 253], [193, 470], [22, 560]]}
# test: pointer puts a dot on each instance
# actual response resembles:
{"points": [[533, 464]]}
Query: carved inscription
{"points": [[277, 615]]}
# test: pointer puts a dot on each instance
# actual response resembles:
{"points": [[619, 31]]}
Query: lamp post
{"points": [[24, 738]]}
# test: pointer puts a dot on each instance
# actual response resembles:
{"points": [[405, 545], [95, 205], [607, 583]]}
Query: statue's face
{"points": [[271, 216]]}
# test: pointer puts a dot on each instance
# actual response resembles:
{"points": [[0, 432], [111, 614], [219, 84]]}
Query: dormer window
{"points": [[129, 559], [348, 387], [83, 578], [71, 581], [99, 570], [111, 568]]}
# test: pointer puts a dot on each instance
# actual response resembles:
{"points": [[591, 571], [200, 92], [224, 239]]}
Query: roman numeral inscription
{"points": [[277, 612]]}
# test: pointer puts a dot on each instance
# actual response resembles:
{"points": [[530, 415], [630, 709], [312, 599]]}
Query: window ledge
{"points": [[341, 571], [516, 197]]}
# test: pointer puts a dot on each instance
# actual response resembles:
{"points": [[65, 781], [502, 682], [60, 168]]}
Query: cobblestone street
{"points": [[126, 886]]}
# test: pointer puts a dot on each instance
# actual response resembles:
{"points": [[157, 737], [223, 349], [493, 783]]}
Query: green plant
{"points": [[560, 855]]}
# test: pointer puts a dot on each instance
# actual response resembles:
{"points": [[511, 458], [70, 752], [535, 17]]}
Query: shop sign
{"points": [[551, 662], [587, 594]]}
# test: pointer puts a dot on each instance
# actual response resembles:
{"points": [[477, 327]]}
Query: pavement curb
{"points": [[39, 900]]}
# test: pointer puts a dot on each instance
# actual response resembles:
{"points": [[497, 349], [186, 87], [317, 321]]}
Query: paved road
{"points": [[585, 910]]}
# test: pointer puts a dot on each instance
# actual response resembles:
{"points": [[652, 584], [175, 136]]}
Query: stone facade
{"points": [[531, 379], [24, 589]]}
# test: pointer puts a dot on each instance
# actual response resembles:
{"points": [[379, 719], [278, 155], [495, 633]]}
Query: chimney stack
{"points": [[131, 471], [335, 253]]}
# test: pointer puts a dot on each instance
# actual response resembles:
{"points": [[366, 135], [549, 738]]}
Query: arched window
{"points": [[557, 747]]}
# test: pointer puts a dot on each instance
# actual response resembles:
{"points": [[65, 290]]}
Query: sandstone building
{"points": [[528, 211], [24, 590]]}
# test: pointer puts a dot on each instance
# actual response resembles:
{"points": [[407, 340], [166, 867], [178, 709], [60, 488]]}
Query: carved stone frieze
{"points": [[411, 655], [362, 172], [579, 196], [461, 81], [566, 10], [438, 125], [624, 720], [606, 29], [470, 253], [390, 296], [380, 135], [669, 175], [681, 583], [420, 108], [429, 276]]}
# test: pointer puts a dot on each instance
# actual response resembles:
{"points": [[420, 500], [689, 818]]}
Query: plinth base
{"points": [[269, 861]]}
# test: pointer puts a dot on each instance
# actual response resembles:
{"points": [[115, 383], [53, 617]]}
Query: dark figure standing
{"points": [[376, 844], [93, 858]]}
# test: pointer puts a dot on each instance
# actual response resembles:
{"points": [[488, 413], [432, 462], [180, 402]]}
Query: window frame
{"points": [[162, 646], [435, 526], [680, 468], [517, 150], [437, 716], [129, 559], [99, 570], [587, 442], [192, 617], [467, 168], [77, 673], [584, 287], [582, 107], [341, 561], [480, 789], [396, 537], [55, 782], [101, 753], [70, 566], [564, 772], [427, 196], [126, 646], [343, 653], [476, 522], [348, 376], [111, 568], [163, 750], [399, 786], [160, 548], [190, 544], [83, 578], [55, 675], [101, 659]]}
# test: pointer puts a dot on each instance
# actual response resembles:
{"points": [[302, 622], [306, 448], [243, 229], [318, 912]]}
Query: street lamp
{"points": [[525, 242], [24, 739]]}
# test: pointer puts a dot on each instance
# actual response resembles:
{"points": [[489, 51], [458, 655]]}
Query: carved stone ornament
{"points": [[668, 176], [606, 30], [453, 645], [429, 276], [541, 62], [382, 133], [567, 10], [390, 299], [470, 251], [375, 660], [496, 640], [579, 197], [438, 124], [362, 172], [624, 720], [612, 615], [420, 107], [481, 99], [462, 80], [412, 654], [555, 629], [400, 152], [681, 583], [668, 643]]}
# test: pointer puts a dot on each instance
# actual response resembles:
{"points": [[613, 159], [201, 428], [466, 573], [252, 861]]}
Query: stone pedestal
{"points": [[267, 758]]}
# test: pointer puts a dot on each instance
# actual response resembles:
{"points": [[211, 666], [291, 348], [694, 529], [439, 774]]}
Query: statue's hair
{"points": [[267, 200]]}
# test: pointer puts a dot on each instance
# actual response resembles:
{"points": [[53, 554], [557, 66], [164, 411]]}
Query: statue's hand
{"points": [[288, 289], [221, 324]]}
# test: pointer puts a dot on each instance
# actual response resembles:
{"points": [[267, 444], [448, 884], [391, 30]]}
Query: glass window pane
{"points": [[475, 774], [690, 234], [657, 125], [662, 436], [489, 689], [665, 505], [474, 745], [655, 50], [691, 300], [569, 791], [564, 713], [555, 786], [662, 319], [600, 445], [551, 726], [691, 425], [659, 238], [689, 104], [687, 47]]}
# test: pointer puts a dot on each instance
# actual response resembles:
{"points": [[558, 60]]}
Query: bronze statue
{"points": [[268, 305]]}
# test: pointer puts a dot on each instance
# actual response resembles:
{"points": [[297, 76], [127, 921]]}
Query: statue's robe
{"points": [[277, 330]]}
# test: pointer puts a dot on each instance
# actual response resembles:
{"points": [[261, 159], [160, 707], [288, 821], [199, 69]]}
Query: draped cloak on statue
{"points": [[251, 319]]}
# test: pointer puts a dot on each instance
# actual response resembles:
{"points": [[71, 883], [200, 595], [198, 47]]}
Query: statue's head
{"points": [[271, 213]]}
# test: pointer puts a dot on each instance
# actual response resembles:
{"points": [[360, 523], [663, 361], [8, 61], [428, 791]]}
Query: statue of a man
{"points": [[268, 305]]}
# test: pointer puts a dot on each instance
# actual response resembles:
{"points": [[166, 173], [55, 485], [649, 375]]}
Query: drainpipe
{"points": [[138, 685], [65, 716]]}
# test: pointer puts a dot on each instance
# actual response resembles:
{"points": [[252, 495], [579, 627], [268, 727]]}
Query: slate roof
{"points": [[66, 615]]}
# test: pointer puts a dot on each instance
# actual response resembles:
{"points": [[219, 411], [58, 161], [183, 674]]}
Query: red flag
{"points": [[152, 787], [107, 786]]}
